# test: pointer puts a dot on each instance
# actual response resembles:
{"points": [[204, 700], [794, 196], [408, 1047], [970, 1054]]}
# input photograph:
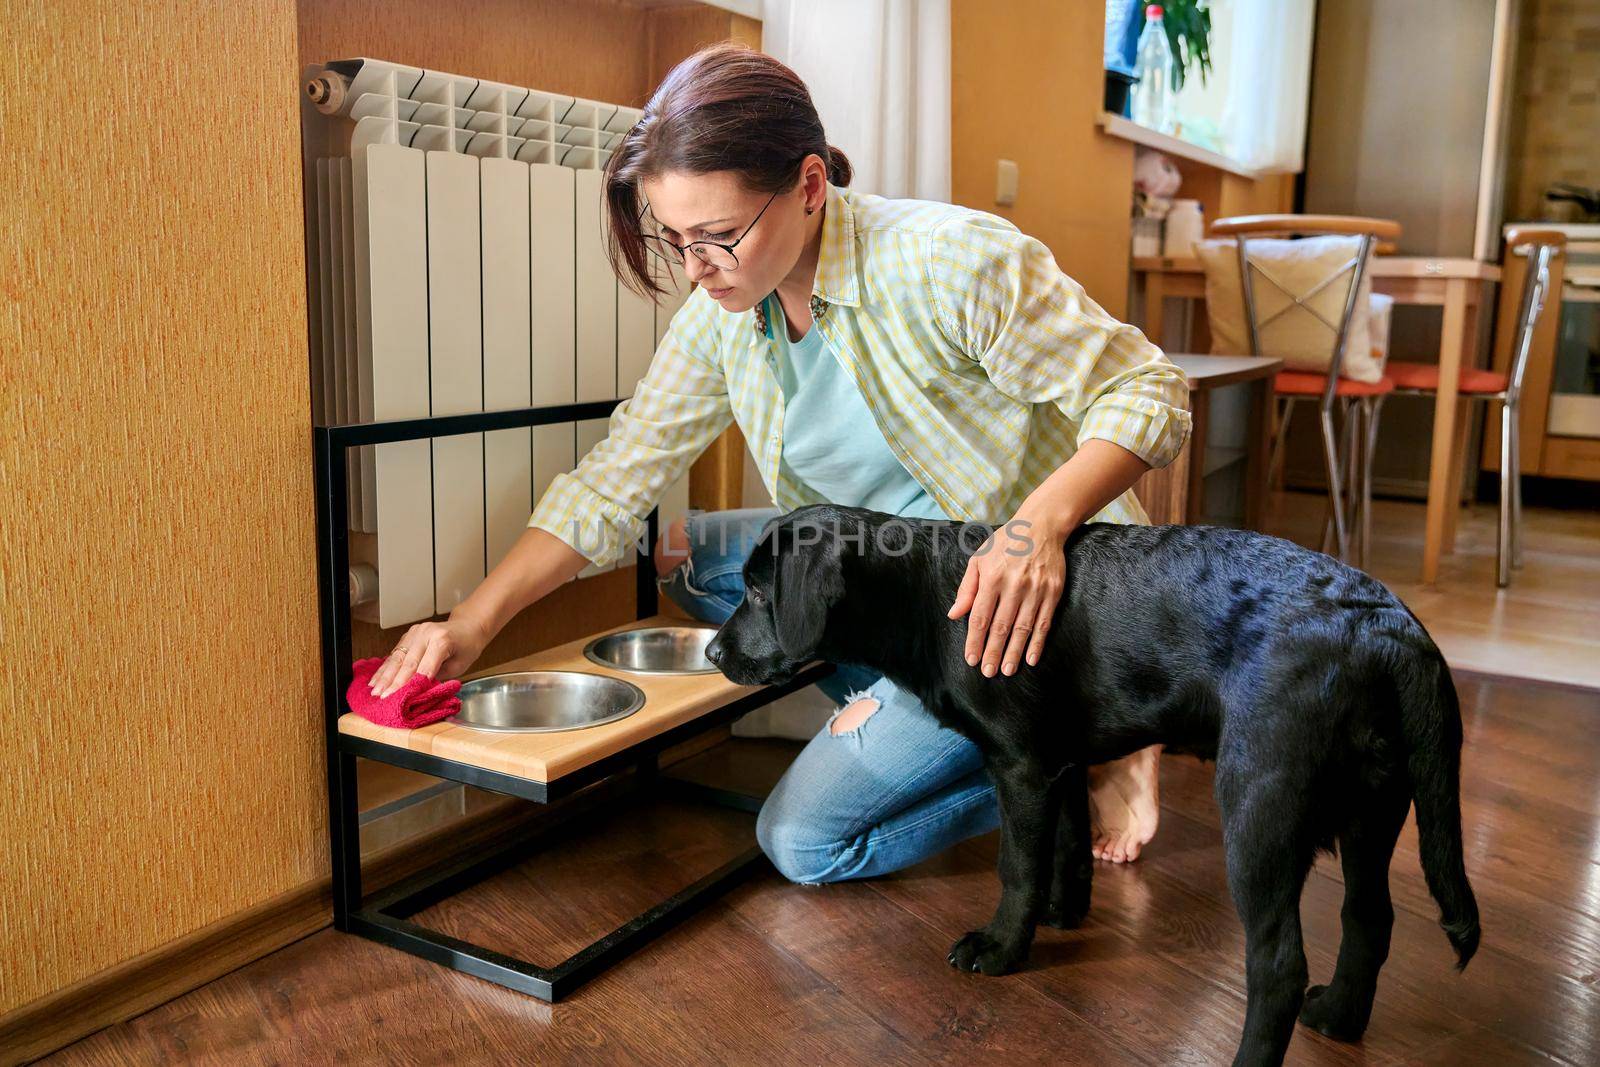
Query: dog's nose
{"points": [[714, 651]]}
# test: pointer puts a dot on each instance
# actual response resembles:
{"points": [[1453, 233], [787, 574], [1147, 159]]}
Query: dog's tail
{"points": [[1430, 718]]}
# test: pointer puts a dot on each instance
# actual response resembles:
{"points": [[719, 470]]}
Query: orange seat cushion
{"points": [[1305, 383], [1426, 376]]}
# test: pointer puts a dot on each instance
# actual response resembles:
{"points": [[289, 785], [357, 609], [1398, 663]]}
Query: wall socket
{"points": [[1005, 184]]}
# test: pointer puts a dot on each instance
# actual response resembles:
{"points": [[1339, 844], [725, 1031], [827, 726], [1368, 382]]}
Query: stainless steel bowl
{"points": [[654, 650], [534, 701]]}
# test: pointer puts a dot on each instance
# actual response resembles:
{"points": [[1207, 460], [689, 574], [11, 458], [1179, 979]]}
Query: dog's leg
{"points": [[1268, 850], [1072, 860], [1342, 1008], [1027, 826]]}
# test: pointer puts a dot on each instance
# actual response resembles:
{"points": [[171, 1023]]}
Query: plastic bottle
{"points": [[1185, 226], [1152, 94]]}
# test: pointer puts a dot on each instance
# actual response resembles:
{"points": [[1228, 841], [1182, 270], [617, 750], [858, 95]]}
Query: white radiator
{"points": [[456, 257]]}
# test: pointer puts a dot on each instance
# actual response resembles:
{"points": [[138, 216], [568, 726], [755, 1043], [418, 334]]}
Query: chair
{"points": [[1422, 379], [1347, 451]]}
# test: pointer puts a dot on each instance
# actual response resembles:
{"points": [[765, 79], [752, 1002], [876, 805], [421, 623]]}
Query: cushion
{"points": [[1295, 336], [1305, 383], [1380, 312], [1426, 376]]}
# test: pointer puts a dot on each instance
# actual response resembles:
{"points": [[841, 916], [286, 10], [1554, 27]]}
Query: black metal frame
{"points": [[384, 917]]}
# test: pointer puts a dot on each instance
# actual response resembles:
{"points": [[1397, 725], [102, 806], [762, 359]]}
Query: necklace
{"points": [[819, 307]]}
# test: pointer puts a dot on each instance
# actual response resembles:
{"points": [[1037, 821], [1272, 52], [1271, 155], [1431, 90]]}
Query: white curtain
{"points": [[1269, 83], [879, 73]]}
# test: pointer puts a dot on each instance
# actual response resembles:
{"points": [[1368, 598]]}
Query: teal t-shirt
{"points": [[830, 439]]}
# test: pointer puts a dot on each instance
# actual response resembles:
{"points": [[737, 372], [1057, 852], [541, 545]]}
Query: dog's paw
{"points": [[979, 952], [1328, 1015]]}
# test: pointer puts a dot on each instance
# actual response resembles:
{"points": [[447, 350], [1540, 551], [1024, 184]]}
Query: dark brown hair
{"points": [[727, 107]]}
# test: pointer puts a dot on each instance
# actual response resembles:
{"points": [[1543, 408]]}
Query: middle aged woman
{"points": [[911, 356]]}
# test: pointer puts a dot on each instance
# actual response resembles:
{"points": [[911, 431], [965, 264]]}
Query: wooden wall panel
{"points": [[596, 48], [1026, 85]]}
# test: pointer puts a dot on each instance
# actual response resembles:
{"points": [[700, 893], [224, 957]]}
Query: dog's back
{"points": [[1184, 623], [1298, 666]]}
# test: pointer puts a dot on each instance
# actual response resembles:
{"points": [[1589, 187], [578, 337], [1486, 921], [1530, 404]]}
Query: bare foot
{"points": [[1123, 805]]}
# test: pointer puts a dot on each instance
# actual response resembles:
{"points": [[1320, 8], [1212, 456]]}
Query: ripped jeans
{"points": [[894, 790]]}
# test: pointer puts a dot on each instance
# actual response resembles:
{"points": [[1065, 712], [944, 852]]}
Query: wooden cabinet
{"points": [[1566, 330]]}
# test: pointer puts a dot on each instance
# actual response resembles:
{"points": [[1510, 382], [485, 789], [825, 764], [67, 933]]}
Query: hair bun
{"points": [[839, 169]]}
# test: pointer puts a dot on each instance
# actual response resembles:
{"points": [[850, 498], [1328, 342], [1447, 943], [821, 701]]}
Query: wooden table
{"points": [[1175, 493], [1460, 286]]}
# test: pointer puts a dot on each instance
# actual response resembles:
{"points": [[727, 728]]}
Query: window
{"points": [[1251, 107]]}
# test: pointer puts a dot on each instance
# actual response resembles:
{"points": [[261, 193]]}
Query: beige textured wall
{"points": [[159, 676], [155, 467]]}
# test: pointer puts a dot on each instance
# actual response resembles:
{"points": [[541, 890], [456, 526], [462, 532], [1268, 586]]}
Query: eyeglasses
{"points": [[711, 253]]}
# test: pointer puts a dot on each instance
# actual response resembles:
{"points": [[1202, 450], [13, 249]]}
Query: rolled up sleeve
{"points": [[1001, 299], [677, 410]]}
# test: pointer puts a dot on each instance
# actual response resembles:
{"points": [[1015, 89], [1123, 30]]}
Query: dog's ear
{"points": [[808, 579]]}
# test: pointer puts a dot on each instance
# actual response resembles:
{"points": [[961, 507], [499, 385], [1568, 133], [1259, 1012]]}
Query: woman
{"points": [[911, 356]]}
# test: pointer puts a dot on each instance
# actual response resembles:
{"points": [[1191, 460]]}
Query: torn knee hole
{"points": [[672, 549], [858, 708]]}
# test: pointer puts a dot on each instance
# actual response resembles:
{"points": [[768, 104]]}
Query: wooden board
{"points": [[1210, 372], [1379, 266], [1167, 492], [670, 700]]}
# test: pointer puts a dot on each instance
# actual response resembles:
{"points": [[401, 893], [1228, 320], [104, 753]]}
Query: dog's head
{"points": [[792, 577]]}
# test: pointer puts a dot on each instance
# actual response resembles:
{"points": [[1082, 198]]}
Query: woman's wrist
{"points": [[482, 626], [1098, 473], [1050, 518]]}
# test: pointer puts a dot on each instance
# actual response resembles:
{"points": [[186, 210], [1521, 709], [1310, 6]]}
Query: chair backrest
{"points": [[1541, 247], [1374, 234]]}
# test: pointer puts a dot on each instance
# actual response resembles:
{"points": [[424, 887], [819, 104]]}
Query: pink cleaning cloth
{"points": [[417, 703]]}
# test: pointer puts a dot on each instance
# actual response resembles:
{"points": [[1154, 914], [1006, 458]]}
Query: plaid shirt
{"points": [[982, 362]]}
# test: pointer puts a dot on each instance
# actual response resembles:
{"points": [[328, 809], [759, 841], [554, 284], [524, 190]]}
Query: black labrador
{"points": [[1324, 703]]}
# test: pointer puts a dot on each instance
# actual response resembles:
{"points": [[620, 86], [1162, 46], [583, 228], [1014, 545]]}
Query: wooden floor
{"points": [[855, 972], [1545, 625]]}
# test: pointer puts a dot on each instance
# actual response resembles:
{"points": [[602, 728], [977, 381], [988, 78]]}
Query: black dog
{"points": [[1324, 703]]}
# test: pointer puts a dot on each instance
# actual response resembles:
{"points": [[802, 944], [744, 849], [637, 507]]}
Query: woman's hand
{"points": [[1014, 582], [439, 650], [1012, 586]]}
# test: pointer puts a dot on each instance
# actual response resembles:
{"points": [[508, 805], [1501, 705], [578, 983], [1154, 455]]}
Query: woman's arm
{"points": [[678, 408], [1013, 584], [1002, 300], [1098, 473], [597, 511], [537, 563]]}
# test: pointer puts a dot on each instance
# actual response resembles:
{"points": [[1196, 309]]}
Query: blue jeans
{"points": [[891, 792]]}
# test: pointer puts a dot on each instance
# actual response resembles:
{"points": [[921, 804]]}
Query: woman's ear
{"points": [[808, 579]]}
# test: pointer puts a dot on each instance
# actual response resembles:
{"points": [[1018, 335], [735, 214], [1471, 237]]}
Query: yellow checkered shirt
{"points": [[983, 363]]}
